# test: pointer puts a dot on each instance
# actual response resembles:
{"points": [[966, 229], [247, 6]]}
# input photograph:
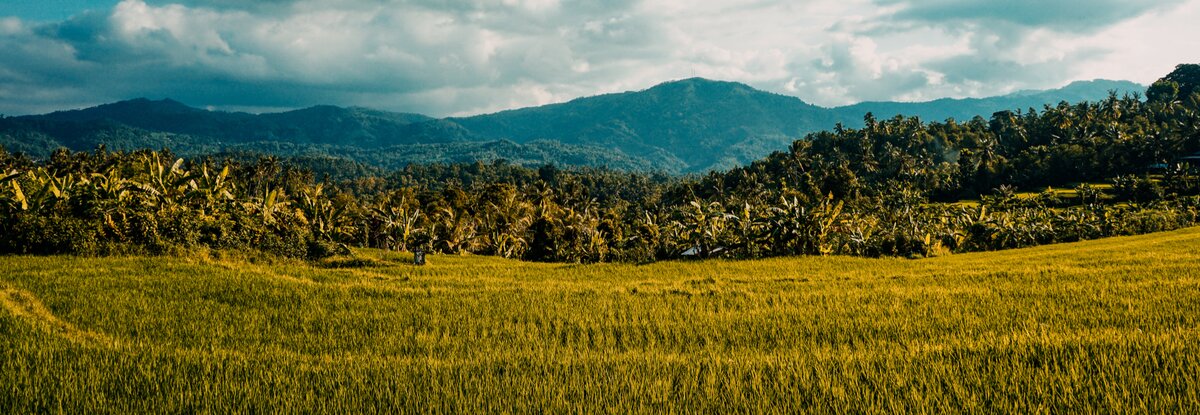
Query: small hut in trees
{"points": [[1192, 160]]}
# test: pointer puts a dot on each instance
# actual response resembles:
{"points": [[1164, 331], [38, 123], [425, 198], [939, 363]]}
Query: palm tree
{"points": [[505, 221], [454, 228]]}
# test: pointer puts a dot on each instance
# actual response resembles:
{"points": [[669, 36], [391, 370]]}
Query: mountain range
{"points": [[686, 126]]}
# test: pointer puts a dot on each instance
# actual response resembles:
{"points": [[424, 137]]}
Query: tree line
{"points": [[890, 188]]}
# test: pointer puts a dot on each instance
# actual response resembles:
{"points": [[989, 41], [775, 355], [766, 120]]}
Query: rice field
{"points": [[1102, 326]]}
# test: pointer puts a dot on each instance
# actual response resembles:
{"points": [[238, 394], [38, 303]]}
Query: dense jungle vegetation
{"points": [[891, 188]]}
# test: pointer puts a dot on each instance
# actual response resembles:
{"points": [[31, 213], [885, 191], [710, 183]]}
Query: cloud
{"points": [[1064, 15], [975, 47], [470, 56], [307, 51]]}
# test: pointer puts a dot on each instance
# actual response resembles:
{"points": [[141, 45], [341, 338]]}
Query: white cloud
{"points": [[445, 58], [1145, 48]]}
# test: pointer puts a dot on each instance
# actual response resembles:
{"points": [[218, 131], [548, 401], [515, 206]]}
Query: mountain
{"points": [[697, 123], [967, 108], [691, 125], [378, 138], [316, 125]]}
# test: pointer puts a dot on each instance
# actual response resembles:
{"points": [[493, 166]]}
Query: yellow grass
{"points": [[1107, 326]]}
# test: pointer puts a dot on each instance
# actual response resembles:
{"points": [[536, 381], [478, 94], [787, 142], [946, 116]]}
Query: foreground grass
{"points": [[1107, 326]]}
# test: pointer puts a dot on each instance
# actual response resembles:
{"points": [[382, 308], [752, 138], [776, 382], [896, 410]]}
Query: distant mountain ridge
{"points": [[322, 124], [690, 125], [966, 108]]}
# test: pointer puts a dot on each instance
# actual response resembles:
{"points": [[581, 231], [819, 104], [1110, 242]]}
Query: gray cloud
{"points": [[222, 51], [1067, 15], [441, 58], [1002, 45]]}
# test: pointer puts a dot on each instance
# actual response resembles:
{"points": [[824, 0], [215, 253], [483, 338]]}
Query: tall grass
{"points": [[1108, 326]]}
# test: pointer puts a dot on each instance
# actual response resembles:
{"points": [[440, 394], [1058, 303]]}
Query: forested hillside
{"points": [[693, 125], [891, 188], [699, 123]]}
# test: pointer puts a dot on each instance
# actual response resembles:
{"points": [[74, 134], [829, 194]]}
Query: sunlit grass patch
{"points": [[1102, 326]]}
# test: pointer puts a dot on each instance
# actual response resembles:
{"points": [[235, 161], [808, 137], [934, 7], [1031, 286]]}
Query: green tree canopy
{"points": [[1180, 83]]}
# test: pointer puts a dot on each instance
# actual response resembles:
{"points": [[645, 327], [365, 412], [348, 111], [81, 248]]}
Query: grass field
{"points": [[1101, 326]]}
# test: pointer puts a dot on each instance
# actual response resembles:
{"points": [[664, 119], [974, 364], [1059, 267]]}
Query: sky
{"points": [[445, 57]]}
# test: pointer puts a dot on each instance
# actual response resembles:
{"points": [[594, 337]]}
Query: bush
{"points": [[29, 233], [320, 249]]}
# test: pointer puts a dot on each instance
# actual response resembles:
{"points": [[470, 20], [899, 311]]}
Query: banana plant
{"points": [[584, 241], [398, 225], [747, 229], [209, 189], [861, 230], [17, 198], [109, 186], [268, 205], [655, 235], [799, 229], [45, 189], [108, 193], [326, 219], [704, 227], [162, 184], [455, 229], [825, 217]]}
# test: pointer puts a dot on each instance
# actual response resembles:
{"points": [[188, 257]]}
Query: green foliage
{"points": [[1163, 91], [885, 189], [1137, 189], [968, 108], [100, 203], [1185, 79]]}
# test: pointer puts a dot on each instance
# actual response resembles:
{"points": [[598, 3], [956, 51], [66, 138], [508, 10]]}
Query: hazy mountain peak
{"points": [[702, 83], [165, 105], [121, 110], [703, 88], [1084, 89]]}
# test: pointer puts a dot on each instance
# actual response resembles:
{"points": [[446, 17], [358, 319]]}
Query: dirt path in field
{"points": [[23, 304]]}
